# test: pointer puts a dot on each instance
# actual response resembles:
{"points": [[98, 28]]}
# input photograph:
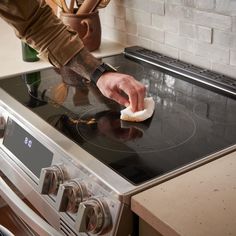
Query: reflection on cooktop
{"points": [[216, 113]]}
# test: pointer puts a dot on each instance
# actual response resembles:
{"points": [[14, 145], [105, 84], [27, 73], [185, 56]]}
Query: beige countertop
{"points": [[11, 62], [201, 202]]}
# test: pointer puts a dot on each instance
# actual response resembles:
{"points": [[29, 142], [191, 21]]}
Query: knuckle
{"points": [[124, 80], [132, 92], [109, 93], [142, 89], [127, 78]]}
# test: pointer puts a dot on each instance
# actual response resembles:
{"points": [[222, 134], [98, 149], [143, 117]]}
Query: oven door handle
{"points": [[22, 210]]}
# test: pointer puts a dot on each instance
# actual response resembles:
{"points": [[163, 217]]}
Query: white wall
{"points": [[202, 32]]}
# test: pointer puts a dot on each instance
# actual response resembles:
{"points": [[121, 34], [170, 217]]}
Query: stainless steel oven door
{"points": [[18, 218], [11, 224]]}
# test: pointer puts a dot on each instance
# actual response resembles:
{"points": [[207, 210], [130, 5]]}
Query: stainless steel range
{"points": [[64, 147]]}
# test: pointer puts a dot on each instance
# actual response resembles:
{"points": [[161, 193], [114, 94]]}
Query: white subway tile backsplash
{"points": [[179, 42], [142, 5], [214, 53], [176, 2], [204, 34], [114, 35], [201, 32], [135, 40], [189, 3], [234, 23], [136, 16], [224, 38], [222, 6], [212, 20], [120, 24], [205, 4], [179, 12], [233, 58], [127, 3], [165, 49], [227, 7], [188, 30], [171, 25], [151, 33], [132, 40], [165, 23], [118, 11], [143, 42], [109, 20], [157, 7], [158, 21], [131, 28]]}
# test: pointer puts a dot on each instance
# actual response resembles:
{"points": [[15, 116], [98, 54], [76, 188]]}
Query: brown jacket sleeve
{"points": [[35, 23]]}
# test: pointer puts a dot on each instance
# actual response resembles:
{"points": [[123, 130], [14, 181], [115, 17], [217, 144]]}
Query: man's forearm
{"points": [[84, 69]]}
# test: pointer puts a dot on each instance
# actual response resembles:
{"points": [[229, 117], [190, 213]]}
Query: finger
{"points": [[133, 97], [119, 98], [134, 101], [141, 94]]}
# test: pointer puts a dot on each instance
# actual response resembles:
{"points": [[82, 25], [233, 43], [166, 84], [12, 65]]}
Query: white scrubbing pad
{"points": [[128, 115]]}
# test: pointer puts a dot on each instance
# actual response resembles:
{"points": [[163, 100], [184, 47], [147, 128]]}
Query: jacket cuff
{"points": [[59, 54]]}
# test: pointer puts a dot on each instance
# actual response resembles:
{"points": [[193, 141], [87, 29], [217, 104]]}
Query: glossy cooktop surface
{"points": [[189, 123]]}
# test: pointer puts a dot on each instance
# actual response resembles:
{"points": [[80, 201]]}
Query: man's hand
{"points": [[113, 84]]}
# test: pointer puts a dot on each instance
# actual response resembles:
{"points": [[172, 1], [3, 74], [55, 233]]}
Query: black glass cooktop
{"points": [[190, 122]]}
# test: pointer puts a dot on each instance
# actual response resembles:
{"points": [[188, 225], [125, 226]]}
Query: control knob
{"points": [[2, 125], [51, 178], [93, 216], [70, 195]]}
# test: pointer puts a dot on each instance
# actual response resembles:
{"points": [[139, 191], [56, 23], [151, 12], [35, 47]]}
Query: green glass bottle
{"points": [[28, 53]]}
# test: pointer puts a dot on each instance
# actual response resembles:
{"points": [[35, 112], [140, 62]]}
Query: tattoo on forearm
{"points": [[84, 63]]}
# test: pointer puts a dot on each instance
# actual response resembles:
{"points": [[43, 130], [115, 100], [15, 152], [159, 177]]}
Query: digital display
{"points": [[26, 148]]}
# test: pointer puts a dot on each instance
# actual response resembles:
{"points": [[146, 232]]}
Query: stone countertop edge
{"points": [[198, 203]]}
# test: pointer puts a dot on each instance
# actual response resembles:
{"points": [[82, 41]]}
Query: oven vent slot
{"points": [[195, 73], [66, 229]]}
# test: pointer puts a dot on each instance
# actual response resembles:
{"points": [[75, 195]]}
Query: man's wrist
{"points": [[100, 70]]}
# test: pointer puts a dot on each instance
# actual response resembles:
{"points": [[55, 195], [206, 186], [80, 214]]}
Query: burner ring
{"points": [[167, 129]]}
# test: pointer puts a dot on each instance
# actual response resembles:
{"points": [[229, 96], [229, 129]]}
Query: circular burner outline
{"points": [[127, 151]]}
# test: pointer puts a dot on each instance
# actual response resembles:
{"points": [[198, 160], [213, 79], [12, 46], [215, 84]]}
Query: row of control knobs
{"points": [[72, 196]]}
